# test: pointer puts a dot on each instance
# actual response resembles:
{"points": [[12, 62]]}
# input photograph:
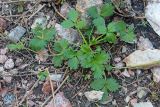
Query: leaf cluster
{"points": [[41, 38]]}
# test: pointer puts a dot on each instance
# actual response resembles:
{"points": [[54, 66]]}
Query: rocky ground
{"points": [[20, 87]]}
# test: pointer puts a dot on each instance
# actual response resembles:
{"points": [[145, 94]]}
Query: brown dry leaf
{"points": [[60, 101], [46, 89], [42, 55]]}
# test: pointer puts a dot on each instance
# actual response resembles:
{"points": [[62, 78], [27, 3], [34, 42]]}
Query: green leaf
{"points": [[17, 46], [81, 24], [42, 75], [73, 15], [112, 85], [73, 63], [128, 35], [100, 25], [98, 84], [57, 60], [48, 34], [67, 24], [60, 45], [116, 26], [107, 10], [69, 53], [37, 44], [110, 37], [92, 11]]}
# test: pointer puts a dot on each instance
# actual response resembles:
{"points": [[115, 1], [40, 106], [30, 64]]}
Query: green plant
{"points": [[42, 75], [41, 38], [89, 55]]}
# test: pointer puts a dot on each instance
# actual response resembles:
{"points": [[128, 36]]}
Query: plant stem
{"points": [[82, 36]]}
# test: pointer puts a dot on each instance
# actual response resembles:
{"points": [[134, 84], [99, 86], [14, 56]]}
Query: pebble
{"points": [[126, 73], [9, 64], [14, 71], [94, 95], [156, 74], [8, 98], [1, 69], [124, 49], [3, 59], [3, 51], [65, 8], [39, 22], [69, 34], [144, 43], [16, 33], [7, 76], [127, 99], [83, 5], [133, 101], [143, 104], [56, 77], [141, 92], [119, 65], [18, 62], [117, 59]]}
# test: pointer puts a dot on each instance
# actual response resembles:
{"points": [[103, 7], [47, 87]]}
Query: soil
{"points": [[76, 84]]}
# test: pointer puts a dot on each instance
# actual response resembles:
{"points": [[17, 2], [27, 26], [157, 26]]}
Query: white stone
{"points": [[41, 22], [156, 74], [69, 34], [9, 64], [6, 76], [143, 59], [14, 71], [83, 5], [65, 8], [3, 59], [144, 43], [1, 69], [94, 95], [16, 33], [152, 15], [143, 104], [127, 99], [3, 51], [141, 92], [126, 73], [56, 77]]}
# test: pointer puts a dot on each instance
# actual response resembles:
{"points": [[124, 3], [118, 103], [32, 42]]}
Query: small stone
{"points": [[127, 99], [23, 66], [1, 69], [156, 74], [143, 59], [83, 5], [3, 51], [80, 94], [65, 8], [56, 77], [7, 76], [8, 98], [117, 59], [126, 73], [94, 95], [9, 64], [141, 92], [14, 71], [3, 25], [69, 34], [39, 22], [138, 71], [124, 49], [18, 62], [133, 101], [143, 104], [114, 102], [119, 65], [3, 59], [16, 33], [144, 43]]}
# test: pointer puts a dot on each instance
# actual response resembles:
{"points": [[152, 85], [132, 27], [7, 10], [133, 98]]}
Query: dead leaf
{"points": [[42, 55], [46, 89]]}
